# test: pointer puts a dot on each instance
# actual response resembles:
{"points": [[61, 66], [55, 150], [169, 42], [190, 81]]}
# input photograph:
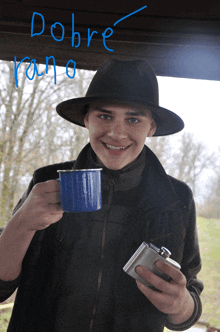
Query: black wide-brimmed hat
{"points": [[132, 83]]}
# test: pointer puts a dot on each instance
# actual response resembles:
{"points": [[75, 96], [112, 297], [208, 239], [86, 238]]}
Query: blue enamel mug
{"points": [[80, 190]]}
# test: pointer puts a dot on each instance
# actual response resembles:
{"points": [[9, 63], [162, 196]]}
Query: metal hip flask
{"points": [[147, 255]]}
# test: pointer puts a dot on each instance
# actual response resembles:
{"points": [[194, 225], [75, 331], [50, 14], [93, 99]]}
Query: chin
{"points": [[114, 167]]}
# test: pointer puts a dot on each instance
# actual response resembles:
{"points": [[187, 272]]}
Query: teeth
{"points": [[114, 147]]}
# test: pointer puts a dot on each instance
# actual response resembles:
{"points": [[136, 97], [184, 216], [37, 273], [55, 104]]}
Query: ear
{"points": [[152, 129]]}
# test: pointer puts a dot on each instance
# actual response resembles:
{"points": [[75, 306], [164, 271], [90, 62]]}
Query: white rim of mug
{"points": [[79, 170]]}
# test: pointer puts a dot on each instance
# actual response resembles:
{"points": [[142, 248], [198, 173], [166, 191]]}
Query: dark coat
{"points": [[72, 277]]}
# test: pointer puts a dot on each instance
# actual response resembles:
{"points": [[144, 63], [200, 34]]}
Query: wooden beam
{"points": [[179, 41]]}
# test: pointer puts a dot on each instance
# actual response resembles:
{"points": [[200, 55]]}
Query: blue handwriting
{"points": [[75, 42]]}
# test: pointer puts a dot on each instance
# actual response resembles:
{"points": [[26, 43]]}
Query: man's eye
{"points": [[104, 117], [133, 120]]}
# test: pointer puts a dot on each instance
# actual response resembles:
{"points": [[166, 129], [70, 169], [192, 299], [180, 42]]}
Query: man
{"points": [[69, 266]]}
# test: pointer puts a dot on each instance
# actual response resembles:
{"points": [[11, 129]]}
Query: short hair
{"points": [[85, 109]]}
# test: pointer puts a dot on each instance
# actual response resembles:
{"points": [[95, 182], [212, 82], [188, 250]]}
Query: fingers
{"points": [[46, 187], [52, 198], [175, 274], [48, 192], [154, 280], [160, 300], [178, 279], [42, 207], [171, 294]]}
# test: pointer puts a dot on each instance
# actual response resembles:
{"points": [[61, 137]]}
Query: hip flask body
{"points": [[147, 255]]}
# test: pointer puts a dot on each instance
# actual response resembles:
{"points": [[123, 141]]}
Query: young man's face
{"points": [[118, 133]]}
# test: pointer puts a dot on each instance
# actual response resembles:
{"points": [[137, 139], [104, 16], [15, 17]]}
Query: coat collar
{"points": [[146, 172], [124, 179]]}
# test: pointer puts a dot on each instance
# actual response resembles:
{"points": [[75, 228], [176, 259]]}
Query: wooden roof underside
{"points": [[180, 39]]}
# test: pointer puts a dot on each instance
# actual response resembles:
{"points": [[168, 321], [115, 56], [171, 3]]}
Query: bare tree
{"points": [[190, 160], [161, 146], [184, 158], [211, 204], [32, 134]]}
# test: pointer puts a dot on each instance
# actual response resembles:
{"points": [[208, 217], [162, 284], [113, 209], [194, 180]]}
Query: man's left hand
{"points": [[173, 299]]}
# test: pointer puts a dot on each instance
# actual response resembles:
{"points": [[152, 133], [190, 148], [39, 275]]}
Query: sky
{"points": [[197, 102]]}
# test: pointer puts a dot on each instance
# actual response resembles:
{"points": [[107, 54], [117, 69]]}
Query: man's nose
{"points": [[117, 131]]}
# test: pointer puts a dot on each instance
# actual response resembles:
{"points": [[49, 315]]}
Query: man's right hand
{"points": [[42, 206]]}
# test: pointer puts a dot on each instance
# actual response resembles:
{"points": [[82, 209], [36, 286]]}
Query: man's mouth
{"points": [[116, 148]]}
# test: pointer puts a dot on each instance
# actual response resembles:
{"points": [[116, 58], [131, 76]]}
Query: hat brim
{"points": [[73, 110]]}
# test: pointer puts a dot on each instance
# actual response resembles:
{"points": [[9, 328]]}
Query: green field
{"points": [[209, 238], [4, 319]]}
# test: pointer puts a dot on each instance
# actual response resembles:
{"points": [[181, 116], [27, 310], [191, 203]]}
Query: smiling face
{"points": [[118, 133]]}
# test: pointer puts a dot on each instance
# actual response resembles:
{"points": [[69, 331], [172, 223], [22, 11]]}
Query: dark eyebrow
{"points": [[136, 113], [102, 110], [131, 113]]}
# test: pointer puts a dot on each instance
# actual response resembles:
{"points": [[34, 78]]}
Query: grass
{"points": [[5, 315], [5, 312], [209, 239]]}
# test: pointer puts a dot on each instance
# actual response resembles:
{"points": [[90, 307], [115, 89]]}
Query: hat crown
{"points": [[126, 81], [123, 82]]}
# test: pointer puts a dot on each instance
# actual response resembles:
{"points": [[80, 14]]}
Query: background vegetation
{"points": [[33, 135]]}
